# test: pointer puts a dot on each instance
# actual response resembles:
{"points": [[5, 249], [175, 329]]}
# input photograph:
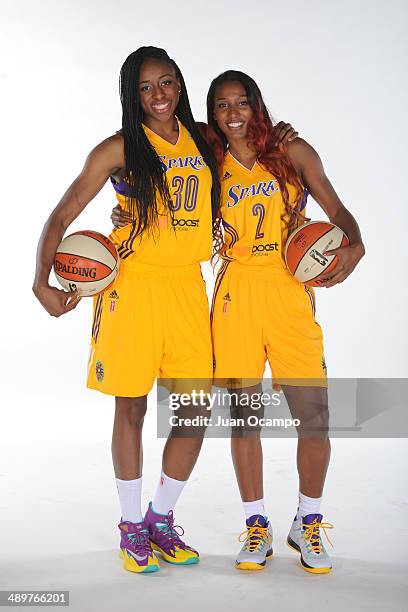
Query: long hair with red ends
{"points": [[260, 138]]}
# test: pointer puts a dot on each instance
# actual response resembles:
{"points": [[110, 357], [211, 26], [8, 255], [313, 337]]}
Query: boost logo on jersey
{"points": [[264, 249], [184, 224]]}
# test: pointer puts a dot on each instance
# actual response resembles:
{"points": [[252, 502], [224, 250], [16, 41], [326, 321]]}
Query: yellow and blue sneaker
{"points": [[257, 546], [135, 548], [304, 537]]}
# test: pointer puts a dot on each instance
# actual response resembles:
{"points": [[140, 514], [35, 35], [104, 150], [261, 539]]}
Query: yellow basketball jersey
{"points": [[187, 238], [251, 209]]}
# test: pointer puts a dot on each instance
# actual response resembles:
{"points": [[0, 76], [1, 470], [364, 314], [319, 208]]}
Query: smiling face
{"points": [[232, 110], [158, 91]]}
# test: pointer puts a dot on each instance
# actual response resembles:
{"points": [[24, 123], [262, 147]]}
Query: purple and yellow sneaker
{"points": [[135, 548], [166, 540]]}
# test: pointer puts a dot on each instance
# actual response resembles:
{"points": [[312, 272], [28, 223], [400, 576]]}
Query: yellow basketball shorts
{"points": [[151, 322], [261, 314]]}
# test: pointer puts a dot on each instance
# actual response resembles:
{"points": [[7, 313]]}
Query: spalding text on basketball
{"points": [[87, 272]]}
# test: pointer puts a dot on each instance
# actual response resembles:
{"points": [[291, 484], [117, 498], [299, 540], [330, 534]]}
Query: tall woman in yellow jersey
{"points": [[260, 312], [154, 320]]}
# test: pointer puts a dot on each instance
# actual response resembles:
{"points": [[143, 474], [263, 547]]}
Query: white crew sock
{"points": [[254, 507], [308, 505], [167, 493], [130, 499]]}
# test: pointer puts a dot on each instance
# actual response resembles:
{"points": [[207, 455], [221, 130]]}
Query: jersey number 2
{"points": [[259, 209]]}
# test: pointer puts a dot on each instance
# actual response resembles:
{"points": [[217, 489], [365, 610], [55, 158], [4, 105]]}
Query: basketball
{"points": [[86, 261], [304, 253]]}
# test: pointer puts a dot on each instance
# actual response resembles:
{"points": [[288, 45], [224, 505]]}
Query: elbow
{"points": [[58, 221], [362, 248]]}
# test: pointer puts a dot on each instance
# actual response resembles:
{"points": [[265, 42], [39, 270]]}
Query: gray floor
{"points": [[97, 582], [59, 513]]}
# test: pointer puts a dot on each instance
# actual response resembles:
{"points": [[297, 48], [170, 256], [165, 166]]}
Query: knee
{"points": [[315, 425], [132, 411]]}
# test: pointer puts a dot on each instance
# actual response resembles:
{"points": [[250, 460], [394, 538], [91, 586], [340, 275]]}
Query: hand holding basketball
{"points": [[348, 257], [57, 301], [87, 262]]}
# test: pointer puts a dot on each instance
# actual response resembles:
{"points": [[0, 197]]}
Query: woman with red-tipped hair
{"points": [[261, 312]]}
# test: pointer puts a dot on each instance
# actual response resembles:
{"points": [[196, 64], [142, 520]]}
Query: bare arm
{"points": [[310, 168], [103, 161]]}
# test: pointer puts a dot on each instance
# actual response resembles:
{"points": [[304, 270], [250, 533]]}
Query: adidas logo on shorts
{"points": [[227, 299], [113, 295]]}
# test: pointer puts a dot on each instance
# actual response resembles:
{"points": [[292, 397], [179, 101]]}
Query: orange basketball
{"points": [[86, 261], [305, 248]]}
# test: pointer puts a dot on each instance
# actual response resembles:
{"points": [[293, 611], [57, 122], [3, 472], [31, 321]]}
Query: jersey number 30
{"points": [[185, 189]]}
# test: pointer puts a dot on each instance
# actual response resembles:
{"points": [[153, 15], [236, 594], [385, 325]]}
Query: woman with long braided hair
{"points": [[154, 320]]}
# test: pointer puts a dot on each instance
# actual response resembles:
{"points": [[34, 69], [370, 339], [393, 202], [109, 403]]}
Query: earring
{"points": [[179, 90]]}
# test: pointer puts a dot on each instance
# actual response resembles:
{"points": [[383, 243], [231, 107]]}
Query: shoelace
{"points": [[312, 534], [169, 529], [254, 537], [141, 541]]}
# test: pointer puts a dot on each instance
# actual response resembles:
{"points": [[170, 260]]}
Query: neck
{"points": [[243, 153], [168, 130]]}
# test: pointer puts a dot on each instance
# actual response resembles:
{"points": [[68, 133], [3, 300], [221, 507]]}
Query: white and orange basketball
{"points": [[86, 261], [305, 248]]}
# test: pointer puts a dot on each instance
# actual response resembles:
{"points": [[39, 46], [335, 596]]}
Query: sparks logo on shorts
{"points": [[226, 176], [227, 300], [99, 371]]}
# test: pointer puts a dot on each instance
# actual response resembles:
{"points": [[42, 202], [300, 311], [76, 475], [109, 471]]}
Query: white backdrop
{"points": [[337, 73], [335, 70]]}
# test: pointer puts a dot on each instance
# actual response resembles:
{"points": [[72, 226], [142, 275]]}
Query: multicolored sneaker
{"points": [[304, 537], [166, 540], [135, 548], [257, 547]]}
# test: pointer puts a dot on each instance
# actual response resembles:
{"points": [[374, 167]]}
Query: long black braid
{"points": [[143, 169]]}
